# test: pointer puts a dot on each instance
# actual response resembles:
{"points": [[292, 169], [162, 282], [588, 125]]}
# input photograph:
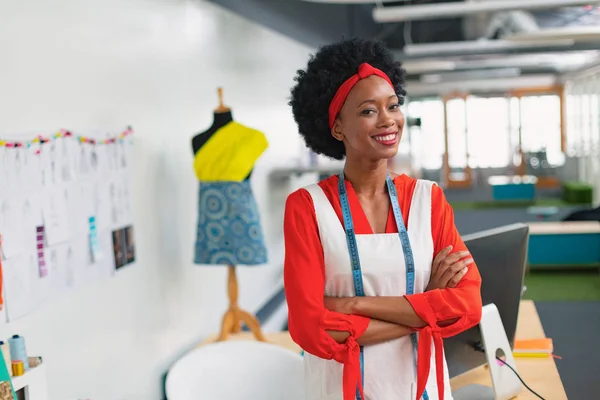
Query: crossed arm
{"points": [[378, 331], [394, 316], [322, 325]]}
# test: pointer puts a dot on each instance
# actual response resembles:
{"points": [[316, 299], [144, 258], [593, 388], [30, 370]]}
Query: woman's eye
{"points": [[394, 106], [367, 111]]}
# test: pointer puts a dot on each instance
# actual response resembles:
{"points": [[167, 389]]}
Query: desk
{"points": [[559, 244], [540, 374], [513, 187]]}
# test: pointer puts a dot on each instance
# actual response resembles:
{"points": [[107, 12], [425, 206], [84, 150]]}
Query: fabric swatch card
{"points": [[95, 249], [40, 252]]}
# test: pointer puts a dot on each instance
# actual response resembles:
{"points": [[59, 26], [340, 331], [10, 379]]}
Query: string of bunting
{"points": [[65, 134]]}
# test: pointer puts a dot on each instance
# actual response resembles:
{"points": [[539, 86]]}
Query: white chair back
{"points": [[237, 370]]}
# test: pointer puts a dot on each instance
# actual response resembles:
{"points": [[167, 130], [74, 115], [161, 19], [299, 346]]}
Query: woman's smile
{"points": [[389, 138]]}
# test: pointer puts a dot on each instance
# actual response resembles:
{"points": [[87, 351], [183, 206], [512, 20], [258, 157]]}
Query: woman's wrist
{"points": [[357, 305]]}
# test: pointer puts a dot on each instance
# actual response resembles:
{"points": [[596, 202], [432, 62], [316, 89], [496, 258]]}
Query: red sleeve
{"points": [[462, 302], [304, 280]]}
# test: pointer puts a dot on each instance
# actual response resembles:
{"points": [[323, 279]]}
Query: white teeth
{"points": [[385, 138]]}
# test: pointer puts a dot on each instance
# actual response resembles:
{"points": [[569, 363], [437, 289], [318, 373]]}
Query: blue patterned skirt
{"points": [[229, 230]]}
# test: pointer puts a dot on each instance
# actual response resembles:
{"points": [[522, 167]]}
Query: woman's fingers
{"points": [[439, 258], [451, 260], [452, 283], [455, 273], [446, 267]]}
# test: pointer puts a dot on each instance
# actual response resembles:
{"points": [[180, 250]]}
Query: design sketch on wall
{"points": [[58, 212]]}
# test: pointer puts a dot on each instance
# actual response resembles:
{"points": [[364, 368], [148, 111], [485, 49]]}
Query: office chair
{"points": [[237, 370]]}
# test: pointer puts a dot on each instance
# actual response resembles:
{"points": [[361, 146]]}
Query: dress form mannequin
{"points": [[234, 316], [221, 116]]}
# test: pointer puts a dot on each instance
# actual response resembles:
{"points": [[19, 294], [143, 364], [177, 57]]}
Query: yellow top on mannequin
{"points": [[229, 154]]}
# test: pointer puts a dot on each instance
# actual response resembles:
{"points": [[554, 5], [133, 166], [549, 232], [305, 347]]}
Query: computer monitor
{"points": [[501, 257]]}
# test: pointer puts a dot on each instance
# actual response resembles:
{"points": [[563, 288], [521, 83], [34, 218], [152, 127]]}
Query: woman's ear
{"points": [[336, 131]]}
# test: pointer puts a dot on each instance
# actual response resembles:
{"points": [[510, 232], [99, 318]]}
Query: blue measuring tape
{"points": [[355, 260]]}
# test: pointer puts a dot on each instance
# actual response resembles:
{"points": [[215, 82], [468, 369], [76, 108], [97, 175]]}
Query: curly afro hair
{"points": [[327, 70]]}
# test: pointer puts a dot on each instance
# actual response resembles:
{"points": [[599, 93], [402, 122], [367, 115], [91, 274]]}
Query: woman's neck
{"points": [[367, 177]]}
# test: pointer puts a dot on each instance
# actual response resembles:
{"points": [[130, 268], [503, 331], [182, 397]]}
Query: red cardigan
{"points": [[304, 277]]}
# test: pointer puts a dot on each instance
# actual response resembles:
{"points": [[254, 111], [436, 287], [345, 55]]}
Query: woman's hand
{"points": [[448, 269]]}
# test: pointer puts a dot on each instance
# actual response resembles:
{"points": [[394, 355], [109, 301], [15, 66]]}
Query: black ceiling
{"points": [[316, 24]]}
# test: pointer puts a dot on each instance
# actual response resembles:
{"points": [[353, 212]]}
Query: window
{"points": [[541, 127], [488, 126], [457, 139], [427, 141]]}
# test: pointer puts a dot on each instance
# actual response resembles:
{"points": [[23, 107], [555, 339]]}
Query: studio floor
{"points": [[563, 286], [573, 327], [569, 307]]}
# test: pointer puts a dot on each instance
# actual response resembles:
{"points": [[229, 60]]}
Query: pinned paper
{"points": [[40, 251], [56, 216], [1, 298], [60, 199], [11, 226]]}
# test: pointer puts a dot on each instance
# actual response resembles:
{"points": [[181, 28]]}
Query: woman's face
{"points": [[370, 122]]}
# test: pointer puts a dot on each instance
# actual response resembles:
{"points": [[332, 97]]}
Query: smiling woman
{"points": [[375, 270], [366, 93]]}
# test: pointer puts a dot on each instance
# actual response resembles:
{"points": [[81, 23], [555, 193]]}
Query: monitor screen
{"points": [[501, 257]]}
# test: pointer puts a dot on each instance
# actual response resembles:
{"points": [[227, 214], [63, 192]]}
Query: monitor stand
{"points": [[474, 392], [506, 385]]}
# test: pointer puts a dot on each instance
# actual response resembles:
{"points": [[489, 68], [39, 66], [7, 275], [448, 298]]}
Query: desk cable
{"points": [[480, 348], [518, 376]]}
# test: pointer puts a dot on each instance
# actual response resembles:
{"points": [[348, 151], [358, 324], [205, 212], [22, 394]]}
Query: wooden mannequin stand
{"points": [[235, 315], [221, 108]]}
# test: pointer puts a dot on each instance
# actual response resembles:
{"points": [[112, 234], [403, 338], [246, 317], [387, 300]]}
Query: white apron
{"points": [[389, 368]]}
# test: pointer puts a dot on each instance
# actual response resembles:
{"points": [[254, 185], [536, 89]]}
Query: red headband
{"points": [[364, 70]]}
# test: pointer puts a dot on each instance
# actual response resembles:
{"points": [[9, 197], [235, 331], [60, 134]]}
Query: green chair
{"points": [[578, 193]]}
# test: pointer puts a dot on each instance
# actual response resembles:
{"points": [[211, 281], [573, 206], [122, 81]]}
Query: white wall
{"points": [[155, 64]]}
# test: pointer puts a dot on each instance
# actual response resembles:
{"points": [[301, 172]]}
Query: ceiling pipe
{"points": [[416, 88], [547, 61], [492, 73], [490, 47], [482, 45], [457, 9]]}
